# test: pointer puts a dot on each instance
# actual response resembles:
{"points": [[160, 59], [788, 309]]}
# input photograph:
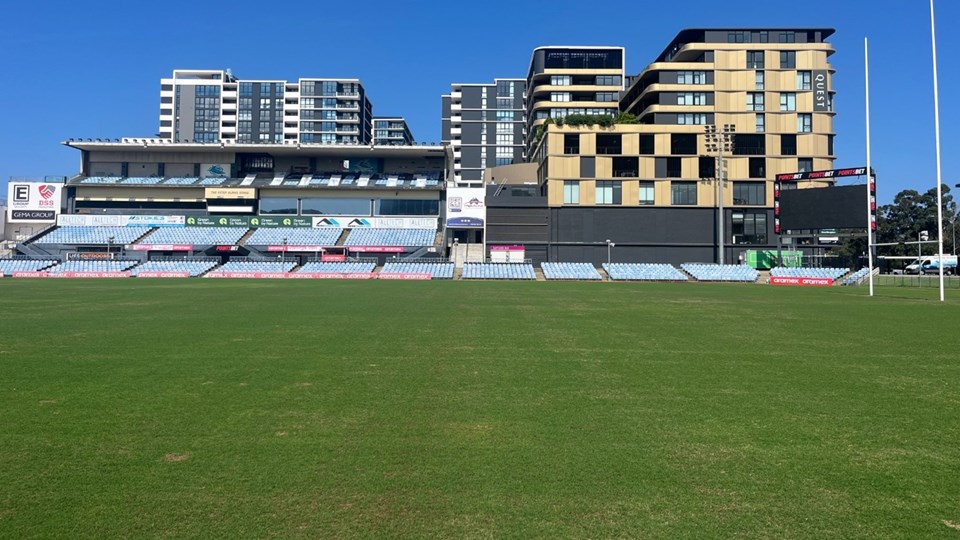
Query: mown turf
{"points": [[242, 409]]}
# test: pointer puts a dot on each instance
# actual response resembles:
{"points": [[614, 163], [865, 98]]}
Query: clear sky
{"points": [[93, 69]]}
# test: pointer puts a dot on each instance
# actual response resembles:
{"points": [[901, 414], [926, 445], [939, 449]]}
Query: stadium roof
{"points": [[286, 148]]}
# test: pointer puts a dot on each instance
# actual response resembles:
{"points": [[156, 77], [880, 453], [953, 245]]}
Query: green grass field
{"points": [[247, 409]]}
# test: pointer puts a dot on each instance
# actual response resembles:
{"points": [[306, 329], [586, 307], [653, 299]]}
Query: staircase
{"points": [[343, 237], [246, 236]]}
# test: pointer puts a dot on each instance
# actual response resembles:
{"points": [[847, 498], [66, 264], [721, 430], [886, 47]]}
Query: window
{"points": [[749, 193], [504, 88], [758, 77], [764, 37], [804, 164], [571, 192], [559, 96], [646, 143], [683, 144], [758, 167], [246, 89], [829, 145], [788, 145], [738, 36], [692, 98], [647, 193], [626, 167], [788, 37], [683, 193], [803, 80], [504, 139], [788, 59], [284, 205], [691, 77], [749, 227], [760, 123], [749, 144], [754, 101], [560, 80], [674, 167], [609, 143], [707, 167], [804, 123], [788, 101], [607, 96], [608, 192], [571, 143], [690, 119], [754, 59], [608, 80], [408, 207], [505, 116]]}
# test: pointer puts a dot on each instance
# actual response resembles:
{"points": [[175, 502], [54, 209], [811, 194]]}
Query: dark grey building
{"points": [[392, 131]]}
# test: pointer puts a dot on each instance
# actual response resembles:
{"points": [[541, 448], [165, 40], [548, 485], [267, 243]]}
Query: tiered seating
{"points": [[498, 271], [213, 181], [9, 266], [568, 270], [141, 180], [257, 266], [300, 236], [101, 180], [720, 272], [93, 235], [391, 237], [340, 267], [853, 278], [832, 273], [438, 270], [197, 236], [643, 272], [181, 180], [92, 266], [194, 268]]}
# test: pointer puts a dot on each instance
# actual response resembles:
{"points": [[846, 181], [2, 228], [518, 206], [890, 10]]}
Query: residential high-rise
{"points": [[563, 81], [485, 126], [391, 131], [213, 106]]}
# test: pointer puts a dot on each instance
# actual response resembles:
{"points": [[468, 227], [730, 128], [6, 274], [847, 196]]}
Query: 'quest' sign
{"points": [[821, 90]]}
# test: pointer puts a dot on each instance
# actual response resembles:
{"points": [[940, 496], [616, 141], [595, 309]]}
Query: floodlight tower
{"points": [[719, 142]]}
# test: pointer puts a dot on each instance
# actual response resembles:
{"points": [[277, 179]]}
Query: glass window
{"points": [[560, 96], [754, 101], [408, 207], [607, 96], [608, 192], [788, 145], [788, 37], [280, 205], [571, 192], [646, 143], [758, 77], [760, 123], [803, 80], [608, 80], [788, 101], [647, 193], [754, 59], [750, 227], [691, 77], [804, 123], [788, 59], [571, 143], [805, 164], [749, 193], [692, 98], [690, 119], [560, 80], [683, 193], [317, 206]]}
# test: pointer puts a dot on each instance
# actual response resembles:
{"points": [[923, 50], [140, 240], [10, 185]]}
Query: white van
{"points": [[931, 265]]}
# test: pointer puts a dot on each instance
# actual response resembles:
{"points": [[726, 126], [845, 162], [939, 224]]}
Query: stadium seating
{"points": [[92, 266], [141, 180], [832, 273], [9, 266], [391, 237], [213, 181], [181, 180], [438, 270], [855, 277], [235, 265], [299, 236], [93, 235], [101, 180], [498, 271], [720, 272], [569, 270], [198, 236], [643, 272], [339, 267], [194, 268]]}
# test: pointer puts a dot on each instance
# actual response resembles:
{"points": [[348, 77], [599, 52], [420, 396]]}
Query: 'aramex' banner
{"points": [[376, 249], [291, 275], [163, 274], [160, 247], [402, 275], [71, 274], [804, 281], [292, 247]]}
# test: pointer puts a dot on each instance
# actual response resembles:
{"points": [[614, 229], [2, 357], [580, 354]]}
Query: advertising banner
{"points": [[88, 274], [333, 257], [354, 222], [821, 90], [405, 276], [160, 247], [163, 274], [291, 247], [248, 221], [289, 275], [801, 281], [90, 220], [229, 193], [29, 274], [215, 170], [466, 208], [510, 254], [376, 249], [33, 202], [247, 275]]}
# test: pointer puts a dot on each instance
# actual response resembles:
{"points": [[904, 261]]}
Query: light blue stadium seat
{"points": [[391, 237], [295, 236], [437, 270], [569, 271], [93, 235], [194, 268], [720, 272], [499, 271], [9, 266], [643, 272], [339, 267], [198, 236]]}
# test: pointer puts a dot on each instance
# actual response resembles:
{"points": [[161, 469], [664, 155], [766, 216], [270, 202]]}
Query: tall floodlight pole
{"points": [[719, 142], [866, 78], [936, 129]]}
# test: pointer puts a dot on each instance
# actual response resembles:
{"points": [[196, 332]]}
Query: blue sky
{"points": [[92, 69]]}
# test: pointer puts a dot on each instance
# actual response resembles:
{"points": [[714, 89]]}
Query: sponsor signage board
{"points": [[248, 221], [405, 276], [333, 257], [288, 275], [816, 175], [33, 202], [163, 274], [215, 170], [466, 208], [160, 247], [71, 274], [292, 247], [355, 222], [90, 220], [801, 281], [821, 90], [229, 193], [376, 249]]}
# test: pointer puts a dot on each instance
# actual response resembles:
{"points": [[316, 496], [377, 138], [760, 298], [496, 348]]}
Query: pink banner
{"points": [[291, 247], [87, 274], [29, 274], [801, 281], [163, 274], [248, 275], [401, 275], [333, 257], [506, 248], [376, 249], [160, 247], [290, 275]]}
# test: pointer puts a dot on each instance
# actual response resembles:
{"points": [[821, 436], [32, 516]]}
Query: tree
{"points": [[910, 213]]}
